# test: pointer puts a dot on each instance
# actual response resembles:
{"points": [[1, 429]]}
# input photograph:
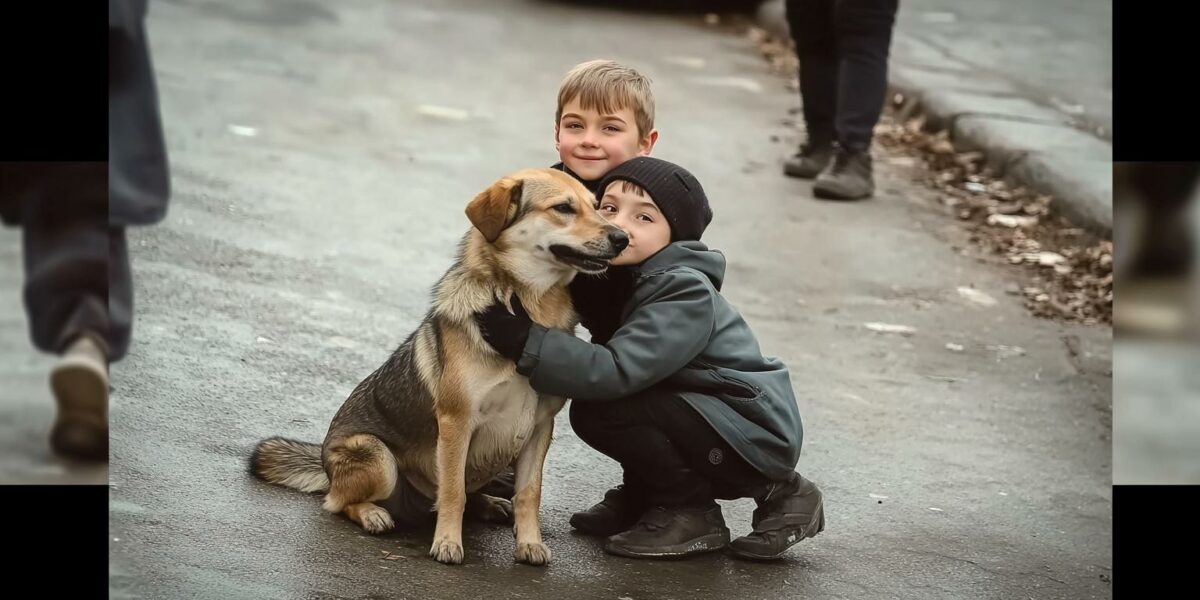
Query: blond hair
{"points": [[607, 86]]}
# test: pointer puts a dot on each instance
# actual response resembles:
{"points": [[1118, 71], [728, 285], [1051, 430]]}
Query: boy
{"points": [[605, 116], [680, 395]]}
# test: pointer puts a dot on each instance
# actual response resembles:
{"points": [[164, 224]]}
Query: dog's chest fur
{"points": [[504, 412]]}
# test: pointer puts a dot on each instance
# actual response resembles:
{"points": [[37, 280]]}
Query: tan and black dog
{"points": [[445, 413]]}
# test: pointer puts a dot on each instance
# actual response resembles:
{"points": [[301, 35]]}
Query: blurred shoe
{"points": [[80, 385], [848, 177], [809, 160]]}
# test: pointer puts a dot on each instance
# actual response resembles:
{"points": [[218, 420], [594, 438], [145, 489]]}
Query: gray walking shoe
{"points": [[809, 160], [848, 177]]}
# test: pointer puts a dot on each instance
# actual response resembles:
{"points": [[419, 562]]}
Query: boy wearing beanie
{"points": [[680, 395]]}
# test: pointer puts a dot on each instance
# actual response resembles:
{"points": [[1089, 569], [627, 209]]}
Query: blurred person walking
{"points": [[78, 294], [843, 50]]}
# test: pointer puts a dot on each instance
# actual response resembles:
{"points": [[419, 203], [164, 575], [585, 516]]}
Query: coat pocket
{"points": [[744, 398], [734, 388]]}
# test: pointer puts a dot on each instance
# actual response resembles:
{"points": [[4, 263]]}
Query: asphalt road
{"points": [[322, 155]]}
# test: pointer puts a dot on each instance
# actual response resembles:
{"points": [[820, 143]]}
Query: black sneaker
{"points": [[672, 532], [787, 513], [848, 177], [618, 511], [809, 160]]}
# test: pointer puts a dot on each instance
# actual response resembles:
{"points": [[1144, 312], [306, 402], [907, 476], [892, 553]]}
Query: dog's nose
{"points": [[618, 239]]}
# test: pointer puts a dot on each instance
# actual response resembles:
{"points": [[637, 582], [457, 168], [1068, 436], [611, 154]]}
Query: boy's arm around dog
{"points": [[671, 324], [679, 332]]}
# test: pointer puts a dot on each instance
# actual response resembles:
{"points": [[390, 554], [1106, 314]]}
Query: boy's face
{"points": [[639, 217], [591, 144]]}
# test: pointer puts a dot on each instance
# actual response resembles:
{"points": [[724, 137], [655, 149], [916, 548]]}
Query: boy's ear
{"points": [[647, 143], [556, 136], [496, 207]]}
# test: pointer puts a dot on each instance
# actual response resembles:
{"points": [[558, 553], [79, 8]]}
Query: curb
{"points": [[1031, 144]]}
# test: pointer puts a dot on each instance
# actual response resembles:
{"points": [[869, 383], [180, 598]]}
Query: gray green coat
{"points": [[678, 333]]}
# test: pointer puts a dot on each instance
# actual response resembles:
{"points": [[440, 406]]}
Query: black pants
{"points": [[1165, 243], [843, 50], [139, 178], [76, 265], [670, 455]]}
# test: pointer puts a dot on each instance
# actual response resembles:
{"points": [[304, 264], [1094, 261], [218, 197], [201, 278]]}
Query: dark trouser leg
{"points": [[863, 30], [583, 416], [139, 182], [626, 431], [704, 450], [664, 444], [1165, 188], [120, 294], [66, 253], [811, 25]]}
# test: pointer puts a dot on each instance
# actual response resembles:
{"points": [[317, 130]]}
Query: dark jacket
{"points": [[678, 332]]}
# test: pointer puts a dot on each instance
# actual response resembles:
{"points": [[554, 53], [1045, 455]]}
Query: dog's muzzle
{"points": [[588, 262], [584, 263]]}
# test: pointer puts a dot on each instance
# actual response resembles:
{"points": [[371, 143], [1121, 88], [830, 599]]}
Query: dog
{"points": [[446, 413]]}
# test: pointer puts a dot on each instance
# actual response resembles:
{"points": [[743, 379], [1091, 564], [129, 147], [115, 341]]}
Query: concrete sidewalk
{"points": [[1028, 83]]}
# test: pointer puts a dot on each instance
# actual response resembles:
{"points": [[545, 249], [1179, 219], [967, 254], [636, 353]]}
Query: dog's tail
{"points": [[290, 463]]}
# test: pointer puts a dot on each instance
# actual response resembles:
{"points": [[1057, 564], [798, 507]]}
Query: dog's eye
{"points": [[565, 208]]}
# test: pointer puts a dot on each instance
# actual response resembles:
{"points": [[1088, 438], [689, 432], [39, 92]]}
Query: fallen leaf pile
{"points": [[1068, 271]]}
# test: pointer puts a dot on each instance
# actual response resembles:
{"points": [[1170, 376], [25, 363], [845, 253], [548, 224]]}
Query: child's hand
{"points": [[505, 332]]}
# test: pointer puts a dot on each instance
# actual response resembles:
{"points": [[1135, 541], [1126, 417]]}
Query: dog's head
{"points": [[545, 220]]}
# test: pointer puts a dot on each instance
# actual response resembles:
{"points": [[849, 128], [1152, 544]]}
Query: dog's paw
{"points": [[447, 551], [534, 554], [490, 509], [377, 520]]}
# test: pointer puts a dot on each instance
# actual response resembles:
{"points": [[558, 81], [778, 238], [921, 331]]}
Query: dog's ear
{"points": [[496, 207]]}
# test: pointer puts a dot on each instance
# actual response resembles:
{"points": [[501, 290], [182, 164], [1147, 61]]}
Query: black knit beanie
{"points": [[675, 191]]}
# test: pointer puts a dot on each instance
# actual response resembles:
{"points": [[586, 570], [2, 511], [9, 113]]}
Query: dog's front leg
{"points": [[528, 499], [454, 436]]}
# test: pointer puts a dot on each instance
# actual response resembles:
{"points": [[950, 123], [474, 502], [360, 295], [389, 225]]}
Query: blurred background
{"points": [[1156, 384]]}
